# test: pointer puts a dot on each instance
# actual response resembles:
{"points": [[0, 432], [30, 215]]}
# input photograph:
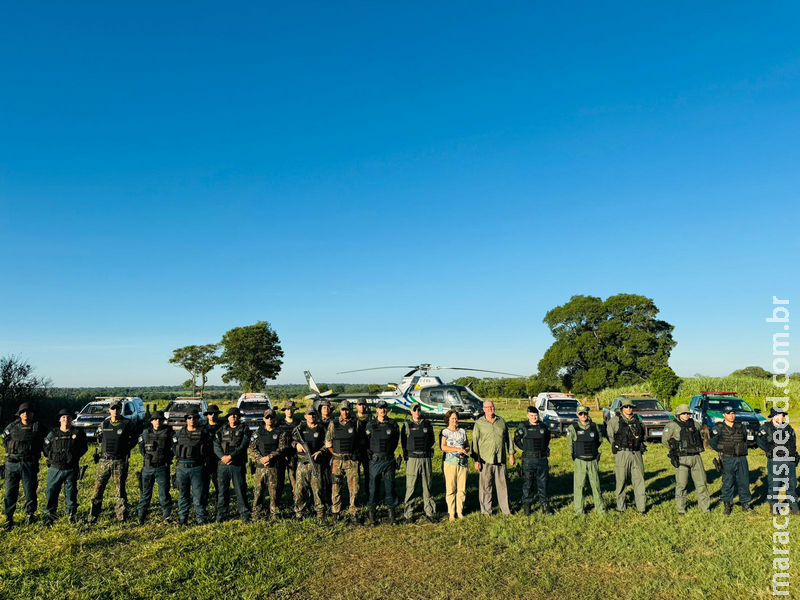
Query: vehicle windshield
{"points": [[95, 409], [563, 405], [737, 404], [253, 405], [183, 406], [648, 405]]}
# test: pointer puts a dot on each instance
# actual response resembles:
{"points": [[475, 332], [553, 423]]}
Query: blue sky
{"points": [[390, 184]]}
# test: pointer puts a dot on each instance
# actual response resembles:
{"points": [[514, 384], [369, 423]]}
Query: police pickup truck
{"points": [[652, 413], [707, 408], [557, 410], [252, 406], [94, 413]]}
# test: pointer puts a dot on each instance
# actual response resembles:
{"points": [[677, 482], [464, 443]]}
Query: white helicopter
{"points": [[434, 396]]}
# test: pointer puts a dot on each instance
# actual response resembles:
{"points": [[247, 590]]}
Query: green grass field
{"points": [[619, 556]]}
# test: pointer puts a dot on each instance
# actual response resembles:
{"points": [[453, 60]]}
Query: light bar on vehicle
{"points": [[715, 393]]}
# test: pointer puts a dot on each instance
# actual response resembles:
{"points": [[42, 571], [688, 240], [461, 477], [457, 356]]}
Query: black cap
{"points": [[233, 411], [310, 411], [24, 407], [194, 413], [776, 411], [269, 413], [383, 404], [65, 412], [289, 405], [325, 403], [728, 409], [533, 409], [213, 409], [117, 405], [157, 415]]}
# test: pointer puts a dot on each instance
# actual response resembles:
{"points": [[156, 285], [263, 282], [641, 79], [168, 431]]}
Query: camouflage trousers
{"points": [[106, 469], [307, 484], [268, 480], [344, 468]]}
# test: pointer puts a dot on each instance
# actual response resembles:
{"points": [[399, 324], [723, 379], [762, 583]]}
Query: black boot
{"points": [[391, 517], [547, 509], [354, 519], [141, 520], [371, 516], [747, 508], [9, 524], [728, 508], [526, 510]]}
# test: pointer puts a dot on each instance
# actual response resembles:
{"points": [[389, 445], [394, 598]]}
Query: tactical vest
{"points": [[62, 445], [344, 436], [732, 440], [312, 439], [587, 442], [20, 442], [691, 442], [629, 435], [115, 439], [419, 436], [268, 442], [534, 442], [231, 439], [156, 446], [381, 435], [190, 445], [786, 430]]}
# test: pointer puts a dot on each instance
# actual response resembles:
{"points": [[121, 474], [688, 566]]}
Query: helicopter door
{"points": [[453, 398], [437, 397]]}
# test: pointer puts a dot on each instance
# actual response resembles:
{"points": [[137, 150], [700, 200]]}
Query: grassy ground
{"points": [[621, 556]]}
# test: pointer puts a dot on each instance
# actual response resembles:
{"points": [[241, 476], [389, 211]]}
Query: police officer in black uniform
{"points": [[362, 418], [382, 436], [210, 468], [729, 438], [63, 448], [779, 441], [191, 446], [417, 439], [288, 425], [325, 465], [533, 438], [230, 446], [23, 440], [155, 444]]}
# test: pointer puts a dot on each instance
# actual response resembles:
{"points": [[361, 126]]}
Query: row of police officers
{"points": [[322, 455]]}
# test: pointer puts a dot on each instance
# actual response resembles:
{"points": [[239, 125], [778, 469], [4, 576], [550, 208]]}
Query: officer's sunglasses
{"points": [[583, 413], [417, 409]]}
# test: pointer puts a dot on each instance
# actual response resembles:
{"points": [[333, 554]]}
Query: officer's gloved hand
{"points": [[96, 457]]}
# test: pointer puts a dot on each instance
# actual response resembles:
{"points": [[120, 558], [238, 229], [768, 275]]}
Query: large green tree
{"points": [[198, 361], [602, 344], [251, 355]]}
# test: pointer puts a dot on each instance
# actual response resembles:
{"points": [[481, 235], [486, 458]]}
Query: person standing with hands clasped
{"points": [[456, 459]]}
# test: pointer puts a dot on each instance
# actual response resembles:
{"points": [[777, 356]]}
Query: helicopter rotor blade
{"points": [[379, 368], [482, 371]]}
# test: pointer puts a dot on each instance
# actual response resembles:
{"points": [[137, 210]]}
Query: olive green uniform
{"points": [[585, 468], [688, 465], [628, 463]]}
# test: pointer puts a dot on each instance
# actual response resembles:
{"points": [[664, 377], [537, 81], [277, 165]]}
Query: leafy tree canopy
{"points": [[198, 361], [664, 383], [602, 344], [251, 355], [759, 372]]}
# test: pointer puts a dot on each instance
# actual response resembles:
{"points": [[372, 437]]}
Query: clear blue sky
{"points": [[390, 184]]}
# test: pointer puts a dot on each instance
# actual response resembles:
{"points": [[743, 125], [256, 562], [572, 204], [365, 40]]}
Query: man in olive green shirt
{"points": [[684, 439], [491, 443]]}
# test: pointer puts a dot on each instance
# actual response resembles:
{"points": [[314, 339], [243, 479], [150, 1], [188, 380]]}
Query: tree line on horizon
{"points": [[598, 344]]}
